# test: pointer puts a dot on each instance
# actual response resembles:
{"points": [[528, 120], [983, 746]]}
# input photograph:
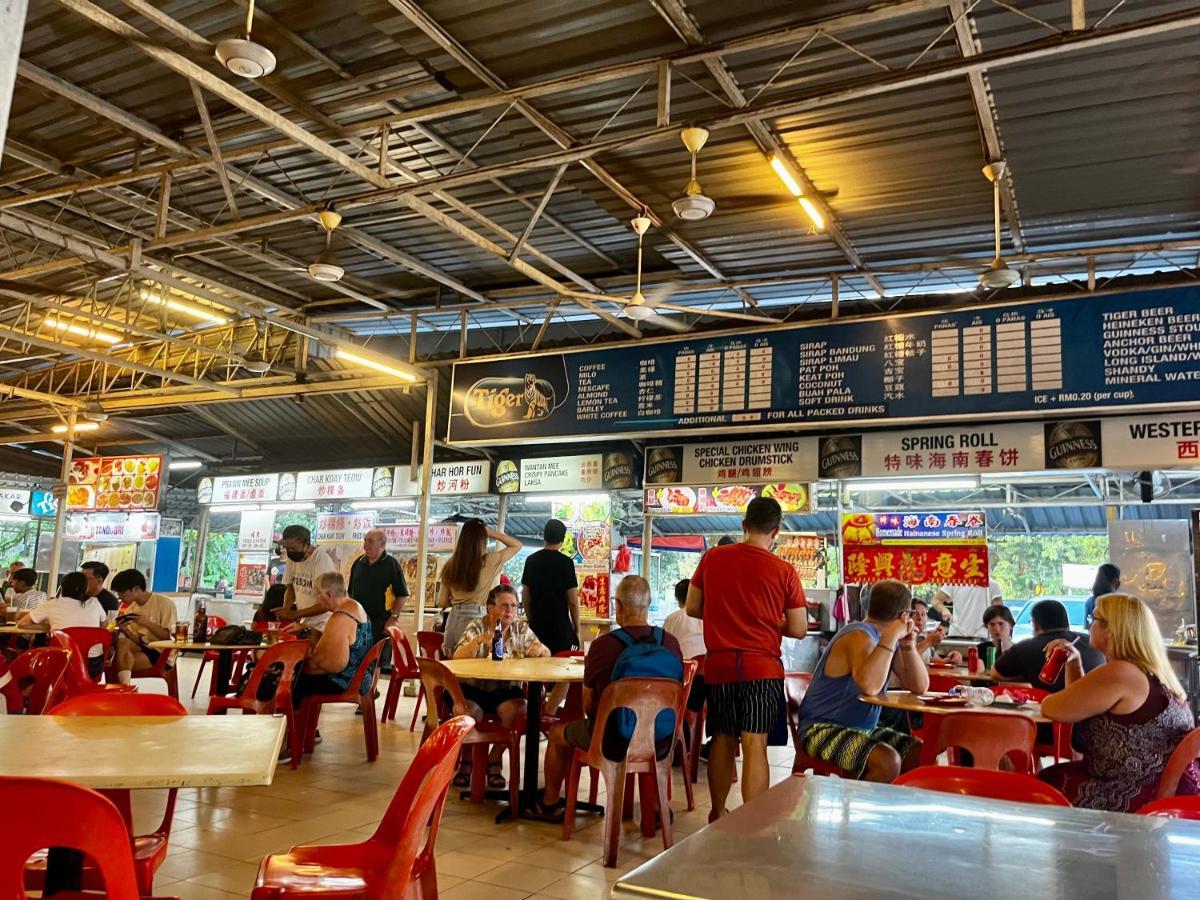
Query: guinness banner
{"points": [[1044, 358]]}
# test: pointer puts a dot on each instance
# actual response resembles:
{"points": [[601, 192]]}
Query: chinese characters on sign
{"points": [[237, 489], [916, 548], [344, 528]]}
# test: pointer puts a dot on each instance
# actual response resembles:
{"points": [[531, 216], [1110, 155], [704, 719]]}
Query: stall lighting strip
{"points": [[79, 426], [188, 309], [382, 504], [914, 484], [92, 333], [793, 186], [531, 499], [347, 356]]}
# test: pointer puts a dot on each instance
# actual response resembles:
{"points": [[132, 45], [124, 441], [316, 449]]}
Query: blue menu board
{"points": [[1094, 353]]}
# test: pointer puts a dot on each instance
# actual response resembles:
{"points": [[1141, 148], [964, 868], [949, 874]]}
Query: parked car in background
{"points": [[1075, 611]]}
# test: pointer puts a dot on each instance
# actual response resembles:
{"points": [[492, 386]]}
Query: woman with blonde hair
{"points": [[1131, 712], [470, 574]]}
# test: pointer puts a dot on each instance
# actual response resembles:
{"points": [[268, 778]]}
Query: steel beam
{"points": [[214, 147]]}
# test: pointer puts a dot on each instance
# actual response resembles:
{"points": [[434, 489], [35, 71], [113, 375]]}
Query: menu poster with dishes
{"points": [[114, 483], [728, 499], [433, 573], [915, 547], [251, 579], [805, 551], [1094, 354], [589, 544]]}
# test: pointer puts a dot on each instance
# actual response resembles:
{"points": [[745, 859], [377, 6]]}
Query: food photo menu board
{"points": [[1100, 353], [589, 544], [114, 483]]}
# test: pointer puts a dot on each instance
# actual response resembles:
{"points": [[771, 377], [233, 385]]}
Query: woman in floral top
{"points": [[503, 700]]}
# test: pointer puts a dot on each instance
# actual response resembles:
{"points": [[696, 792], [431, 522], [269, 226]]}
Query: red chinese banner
{"points": [[916, 563]]}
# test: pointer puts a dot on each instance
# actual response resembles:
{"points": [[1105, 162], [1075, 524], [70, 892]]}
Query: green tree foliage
{"points": [[1030, 565]]}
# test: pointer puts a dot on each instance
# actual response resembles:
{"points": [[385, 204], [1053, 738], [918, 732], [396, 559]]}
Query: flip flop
{"points": [[495, 778]]}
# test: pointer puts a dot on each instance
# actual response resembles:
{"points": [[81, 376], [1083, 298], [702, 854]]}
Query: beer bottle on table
{"points": [[200, 624], [498, 643]]}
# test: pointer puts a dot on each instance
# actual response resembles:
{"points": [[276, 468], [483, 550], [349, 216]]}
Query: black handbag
{"points": [[237, 636]]}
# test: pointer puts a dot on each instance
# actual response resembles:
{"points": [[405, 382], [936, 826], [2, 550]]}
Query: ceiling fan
{"points": [[693, 205], [638, 307], [244, 56], [998, 275], [326, 266]]}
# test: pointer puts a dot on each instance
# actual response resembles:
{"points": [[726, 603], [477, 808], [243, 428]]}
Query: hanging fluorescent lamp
{"points": [[915, 484], [80, 330], [184, 465], [205, 314], [287, 507], [79, 426], [793, 185], [347, 356], [383, 504]]}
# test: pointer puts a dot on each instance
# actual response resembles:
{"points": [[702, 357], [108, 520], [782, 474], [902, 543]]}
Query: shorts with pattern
{"points": [[848, 748], [744, 706]]}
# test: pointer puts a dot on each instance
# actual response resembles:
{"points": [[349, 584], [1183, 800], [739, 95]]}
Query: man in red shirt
{"points": [[748, 598]]}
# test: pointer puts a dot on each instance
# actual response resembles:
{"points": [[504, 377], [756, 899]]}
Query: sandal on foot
{"points": [[552, 814], [462, 778], [495, 778]]}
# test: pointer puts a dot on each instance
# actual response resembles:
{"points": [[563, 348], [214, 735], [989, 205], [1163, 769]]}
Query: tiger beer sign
{"points": [[498, 402]]}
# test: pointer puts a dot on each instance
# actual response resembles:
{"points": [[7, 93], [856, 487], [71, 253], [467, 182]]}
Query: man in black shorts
{"points": [[503, 700]]}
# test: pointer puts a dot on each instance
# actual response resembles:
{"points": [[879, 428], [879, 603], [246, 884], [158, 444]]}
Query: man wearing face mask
{"points": [[305, 562], [749, 599]]}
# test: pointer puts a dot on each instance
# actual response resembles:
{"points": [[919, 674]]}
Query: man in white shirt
{"points": [[970, 603], [23, 594], [305, 563], [688, 631]]}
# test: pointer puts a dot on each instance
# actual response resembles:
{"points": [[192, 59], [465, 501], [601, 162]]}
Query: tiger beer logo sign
{"points": [[492, 402]]}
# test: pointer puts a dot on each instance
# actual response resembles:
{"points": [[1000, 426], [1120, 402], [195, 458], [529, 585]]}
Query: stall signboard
{"points": [[238, 489], [344, 528], [464, 477], [589, 544], [251, 579], [112, 528], [439, 538], [13, 501], [1040, 357], [915, 547], [43, 503], [733, 462], [728, 499], [1168, 441], [256, 531], [562, 473], [941, 451], [337, 484], [114, 483]]}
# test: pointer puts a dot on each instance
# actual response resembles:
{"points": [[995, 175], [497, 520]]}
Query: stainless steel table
{"points": [[828, 837]]}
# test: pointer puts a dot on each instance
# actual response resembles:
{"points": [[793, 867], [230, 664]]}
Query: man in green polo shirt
{"points": [[371, 576]]}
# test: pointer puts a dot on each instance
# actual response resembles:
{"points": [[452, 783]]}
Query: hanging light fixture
{"points": [[326, 266], [243, 56], [998, 275]]}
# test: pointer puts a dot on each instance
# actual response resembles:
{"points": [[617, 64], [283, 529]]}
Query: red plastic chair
{"points": [[690, 667], [693, 723], [392, 862], [1173, 808], [1185, 754], [646, 697], [360, 692], [1060, 749], [983, 783], [45, 813], [445, 701], [289, 654], [87, 637], [429, 646], [39, 674], [215, 623], [164, 670], [404, 667], [989, 738], [149, 850], [76, 680], [795, 686]]}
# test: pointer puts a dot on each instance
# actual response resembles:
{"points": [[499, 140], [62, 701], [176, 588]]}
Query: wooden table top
{"points": [[846, 839], [909, 702], [546, 669], [24, 629], [143, 751], [961, 673], [192, 645]]}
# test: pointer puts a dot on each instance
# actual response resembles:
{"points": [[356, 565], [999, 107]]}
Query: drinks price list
{"points": [[1139, 349]]}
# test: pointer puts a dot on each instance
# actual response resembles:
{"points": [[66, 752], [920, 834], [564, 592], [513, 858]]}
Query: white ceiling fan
{"points": [[244, 56], [998, 275], [694, 205], [638, 307]]}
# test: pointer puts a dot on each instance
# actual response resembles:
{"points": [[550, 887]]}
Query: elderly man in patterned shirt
{"points": [[505, 700]]}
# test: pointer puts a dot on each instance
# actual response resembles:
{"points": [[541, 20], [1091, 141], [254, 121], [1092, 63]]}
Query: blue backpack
{"points": [[645, 658]]}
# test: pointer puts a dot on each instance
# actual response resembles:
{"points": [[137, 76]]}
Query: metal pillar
{"points": [[647, 532], [201, 546], [60, 514], [12, 28], [431, 389], [501, 511]]}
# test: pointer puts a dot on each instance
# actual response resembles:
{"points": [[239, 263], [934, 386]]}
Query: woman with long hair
{"points": [[1108, 580], [470, 574], [1132, 712]]}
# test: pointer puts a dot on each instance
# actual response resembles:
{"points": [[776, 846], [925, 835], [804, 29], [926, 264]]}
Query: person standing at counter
{"points": [[306, 562], [749, 599], [969, 603], [371, 577], [550, 592], [470, 574], [1108, 580]]}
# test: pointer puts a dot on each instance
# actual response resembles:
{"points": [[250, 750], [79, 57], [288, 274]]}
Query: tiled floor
{"points": [[335, 796]]}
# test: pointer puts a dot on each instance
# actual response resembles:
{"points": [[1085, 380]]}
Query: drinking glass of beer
{"points": [[181, 632]]}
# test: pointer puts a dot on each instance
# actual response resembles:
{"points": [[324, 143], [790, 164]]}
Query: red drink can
{"points": [[973, 661], [1054, 666]]}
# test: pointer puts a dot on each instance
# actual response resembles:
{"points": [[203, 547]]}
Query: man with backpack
{"points": [[634, 650]]}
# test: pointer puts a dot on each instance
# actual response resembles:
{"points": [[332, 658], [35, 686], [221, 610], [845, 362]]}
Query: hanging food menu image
{"points": [[589, 544], [114, 483]]}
